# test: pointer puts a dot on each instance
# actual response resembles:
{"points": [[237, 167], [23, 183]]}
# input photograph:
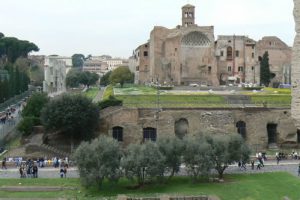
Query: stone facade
{"points": [[259, 126], [280, 56], [296, 67], [189, 54], [55, 76]]}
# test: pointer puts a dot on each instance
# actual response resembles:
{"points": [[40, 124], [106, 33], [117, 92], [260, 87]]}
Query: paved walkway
{"points": [[99, 95], [290, 166]]}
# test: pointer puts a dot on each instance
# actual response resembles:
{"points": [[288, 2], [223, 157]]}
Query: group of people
{"points": [[28, 169]]}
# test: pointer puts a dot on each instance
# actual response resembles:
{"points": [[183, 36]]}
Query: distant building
{"points": [[95, 66]]}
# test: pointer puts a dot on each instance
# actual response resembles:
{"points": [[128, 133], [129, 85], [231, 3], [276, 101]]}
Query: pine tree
{"points": [[265, 74]]}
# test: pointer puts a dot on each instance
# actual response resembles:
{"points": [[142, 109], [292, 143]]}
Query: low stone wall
{"points": [[166, 197], [202, 120]]}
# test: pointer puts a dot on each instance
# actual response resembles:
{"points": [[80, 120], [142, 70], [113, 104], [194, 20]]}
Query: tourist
{"points": [[252, 164], [35, 171], [65, 171], [299, 170], [61, 172], [243, 165], [4, 163], [258, 165]]}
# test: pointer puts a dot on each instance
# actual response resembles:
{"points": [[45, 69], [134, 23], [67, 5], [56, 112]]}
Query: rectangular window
{"points": [[209, 69], [237, 53], [229, 68], [252, 55], [241, 69], [145, 53], [222, 53], [149, 134], [137, 68]]}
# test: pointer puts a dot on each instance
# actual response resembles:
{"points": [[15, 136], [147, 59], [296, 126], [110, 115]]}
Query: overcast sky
{"points": [[116, 27]]}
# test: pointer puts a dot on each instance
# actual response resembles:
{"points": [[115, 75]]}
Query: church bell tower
{"points": [[188, 15]]}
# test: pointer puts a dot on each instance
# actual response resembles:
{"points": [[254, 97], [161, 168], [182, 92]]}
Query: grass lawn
{"points": [[91, 92], [146, 97], [273, 186]]}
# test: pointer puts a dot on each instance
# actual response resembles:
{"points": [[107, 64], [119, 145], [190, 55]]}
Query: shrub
{"points": [[26, 124]]}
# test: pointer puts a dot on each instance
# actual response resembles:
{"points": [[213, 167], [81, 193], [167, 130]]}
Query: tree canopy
{"points": [[121, 75], [13, 48], [14, 76], [105, 79], [73, 115], [76, 77], [77, 60]]}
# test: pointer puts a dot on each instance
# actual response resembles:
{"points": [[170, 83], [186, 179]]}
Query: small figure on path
{"points": [[4, 163], [61, 172], [299, 170], [65, 171], [252, 164]]}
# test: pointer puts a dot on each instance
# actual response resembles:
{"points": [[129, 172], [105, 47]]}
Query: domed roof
{"points": [[195, 38]]}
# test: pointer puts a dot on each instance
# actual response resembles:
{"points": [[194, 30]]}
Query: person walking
{"points": [[4, 163], [299, 170]]}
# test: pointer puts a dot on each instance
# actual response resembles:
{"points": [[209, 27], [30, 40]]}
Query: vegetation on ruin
{"points": [[273, 186]]}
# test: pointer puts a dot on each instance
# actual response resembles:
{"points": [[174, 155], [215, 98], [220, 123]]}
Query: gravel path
{"points": [[290, 166]]}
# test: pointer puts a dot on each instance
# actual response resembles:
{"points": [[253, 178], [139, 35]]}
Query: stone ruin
{"points": [[295, 107]]}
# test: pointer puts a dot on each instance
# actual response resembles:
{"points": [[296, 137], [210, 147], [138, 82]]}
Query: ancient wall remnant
{"points": [[296, 67]]}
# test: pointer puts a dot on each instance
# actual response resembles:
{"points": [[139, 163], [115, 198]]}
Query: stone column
{"points": [[296, 67]]}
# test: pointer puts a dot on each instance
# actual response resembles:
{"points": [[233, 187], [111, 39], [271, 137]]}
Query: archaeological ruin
{"points": [[190, 53]]}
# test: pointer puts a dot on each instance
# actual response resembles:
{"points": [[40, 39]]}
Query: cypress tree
{"points": [[265, 73]]}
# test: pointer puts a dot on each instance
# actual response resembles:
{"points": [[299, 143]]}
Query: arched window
{"points": [[149, 134], [229, 53], [241, 128], [118, 133], [181, 127]]}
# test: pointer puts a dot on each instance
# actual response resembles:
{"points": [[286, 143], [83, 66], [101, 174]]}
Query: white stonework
{"points": [[55, 76], [296, 67]]}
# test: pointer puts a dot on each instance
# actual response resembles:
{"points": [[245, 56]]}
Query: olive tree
{"points": [[227, 149], [143, 162], [197, 157], [172, 148], [98, 160]]}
